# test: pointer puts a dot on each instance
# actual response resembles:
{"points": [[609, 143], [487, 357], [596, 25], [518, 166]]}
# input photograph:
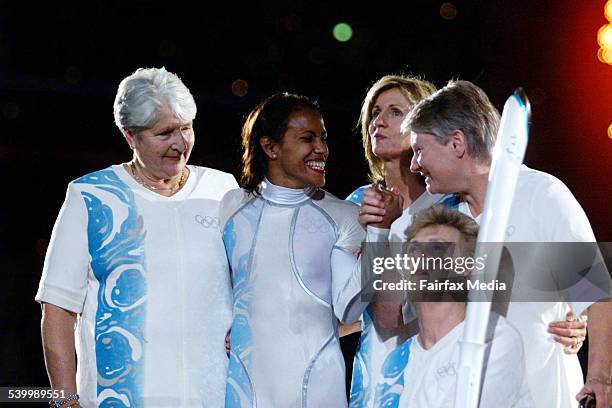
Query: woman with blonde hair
{"points": [[386, 324], [378, 359]]}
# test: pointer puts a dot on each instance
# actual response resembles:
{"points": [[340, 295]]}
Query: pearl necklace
{"points": [[173, 189]]}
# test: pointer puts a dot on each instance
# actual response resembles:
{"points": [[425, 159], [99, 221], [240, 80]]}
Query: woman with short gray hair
{"points": [[136, 260]]}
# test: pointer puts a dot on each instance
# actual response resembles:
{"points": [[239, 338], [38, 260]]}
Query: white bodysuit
{"points": [[294, 275]]}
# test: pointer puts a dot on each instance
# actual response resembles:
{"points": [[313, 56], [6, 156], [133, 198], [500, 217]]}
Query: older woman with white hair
{"points": [[136, 278]]}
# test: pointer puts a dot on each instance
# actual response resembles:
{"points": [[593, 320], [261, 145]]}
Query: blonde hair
{"points": [[414, 88], [441, 215]]}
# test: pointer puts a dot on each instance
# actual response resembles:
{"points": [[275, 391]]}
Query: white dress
{"points": [[148, 276], [294, 275], [377, 362]]}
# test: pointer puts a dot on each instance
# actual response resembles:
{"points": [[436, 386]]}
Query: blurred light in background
{"points": [[610, 131], [10, 111], [240, 87], [604, 37], [342, 32], [605, 55], [448, 11]]}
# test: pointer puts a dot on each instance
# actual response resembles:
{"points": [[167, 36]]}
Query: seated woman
{"points": [[291, 249], [431, 357]]}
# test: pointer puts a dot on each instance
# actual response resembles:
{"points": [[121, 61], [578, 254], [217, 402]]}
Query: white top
{"points": [[294, 275], [148, 276], [544, 210], [397, 231], [430, 376], [376, 346]]}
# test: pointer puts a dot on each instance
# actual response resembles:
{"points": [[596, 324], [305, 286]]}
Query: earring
{"points": [[274, 155]]}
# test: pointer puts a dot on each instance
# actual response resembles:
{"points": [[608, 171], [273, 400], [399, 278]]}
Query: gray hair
{"points": [[142, 96], [460, 105]]}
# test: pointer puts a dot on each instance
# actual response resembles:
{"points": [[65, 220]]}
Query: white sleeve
{"points": [[64, 277], [348, 295], [231, 183], [375, 234], [230, 203], [569, 223], [347, 280], [380, 235], [350, 234], [560, 209]]}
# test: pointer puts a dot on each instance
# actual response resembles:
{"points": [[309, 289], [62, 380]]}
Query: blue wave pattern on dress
{"points": [[117, 255], [367, 388], [387, 391], [362, 388], [451, 201], [361, 384], [356, 196], [391, 384], [239, 391]]}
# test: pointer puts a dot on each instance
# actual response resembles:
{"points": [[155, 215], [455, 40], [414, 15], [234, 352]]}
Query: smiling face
{"points": [[298, 160], [435, 161], [388, 112], [163, 150]]}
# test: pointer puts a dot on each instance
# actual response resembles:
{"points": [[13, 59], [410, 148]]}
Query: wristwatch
{"points": [[58, 403]]}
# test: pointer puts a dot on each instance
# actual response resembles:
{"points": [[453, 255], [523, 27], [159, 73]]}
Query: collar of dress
{"points": [[284, 195]]}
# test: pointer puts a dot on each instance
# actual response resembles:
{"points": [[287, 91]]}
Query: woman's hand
{"points": [[571, 333], [380, 207]]}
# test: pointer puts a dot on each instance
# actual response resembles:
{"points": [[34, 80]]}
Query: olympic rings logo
{"points": [[447, 370], [207, 221]]}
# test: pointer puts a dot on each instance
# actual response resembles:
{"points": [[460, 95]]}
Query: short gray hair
{"points": [[142, 95], [460, 105]]}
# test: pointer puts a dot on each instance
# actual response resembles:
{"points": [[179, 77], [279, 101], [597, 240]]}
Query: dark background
{"points": [[60, 65]]}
